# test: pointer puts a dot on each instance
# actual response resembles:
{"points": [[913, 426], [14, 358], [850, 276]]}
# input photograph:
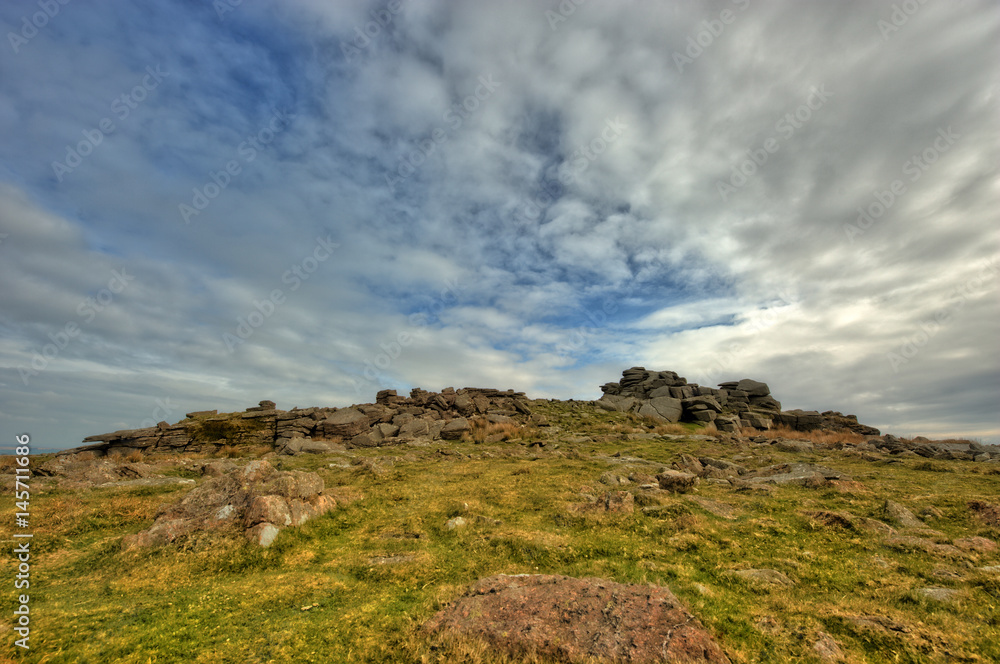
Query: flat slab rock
{"points": [[578, 620]]}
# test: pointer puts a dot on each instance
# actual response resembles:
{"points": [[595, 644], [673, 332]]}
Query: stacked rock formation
{"points": [[392, 419], [666, 396], [257, 499]]}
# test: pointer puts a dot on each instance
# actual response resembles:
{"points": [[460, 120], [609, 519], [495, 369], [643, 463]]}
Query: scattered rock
{"points": [[455, 429], [256, 498], [619, 502], [827, 648], [803, 474], [393, 559], [722, 510], [613, 479], [455, 523], [988, 513], [896, 513], [576, 620], [977, 544], [769, 577], [262, 534], [939, 594], [877, 526], [907, 543], [676, 481], [689, 464], [786, 445]]}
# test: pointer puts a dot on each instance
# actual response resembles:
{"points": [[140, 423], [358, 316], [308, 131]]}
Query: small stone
{"points": [[457, 522], [263, 534], [676, 481], [619, 502], [978, 544], [896, 513], [939, 594], [770, 577], [827, 648]]}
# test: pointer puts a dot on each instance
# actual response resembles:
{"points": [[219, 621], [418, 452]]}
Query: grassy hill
{"points": [[357, 584]]}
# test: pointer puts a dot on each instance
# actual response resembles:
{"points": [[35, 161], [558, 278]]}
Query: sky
{"points": [[207, 204]]}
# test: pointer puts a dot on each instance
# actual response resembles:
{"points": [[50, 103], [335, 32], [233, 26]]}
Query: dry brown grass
{"points": [[135, 456], [242, 451], [226, 452], [818, 436], [482, 430], [669, 428]]}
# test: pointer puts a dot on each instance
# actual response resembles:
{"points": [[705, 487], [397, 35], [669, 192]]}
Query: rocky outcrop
{"points": [[668, 397], [256, 499], [392, 419], [579, 620]]}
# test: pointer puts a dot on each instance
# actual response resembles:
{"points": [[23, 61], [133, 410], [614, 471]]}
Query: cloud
{"points": [[531, 204]]}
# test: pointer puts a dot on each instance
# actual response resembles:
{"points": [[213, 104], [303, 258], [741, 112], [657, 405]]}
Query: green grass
{"points": [[218, 599]]}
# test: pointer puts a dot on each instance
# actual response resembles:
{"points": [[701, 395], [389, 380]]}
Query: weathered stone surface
{"points": [[788, 445], [454, 523], [616, 402], [939, 594], [977, 544], [273, 509], [620, 502], [455, 429], [575, 620], [895, 513], [662, 408], [263, 534], [722, 510], [414, 429], [805, 474], [907, 543], [827, 649], [252, 497], [768, 577], [676, 481], [689, 464], [987, 513], [346, 423], [753, 388]]}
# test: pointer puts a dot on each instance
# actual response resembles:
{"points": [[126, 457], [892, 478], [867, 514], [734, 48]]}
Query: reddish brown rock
{"points": [[987, 512], [574, 620], [978, 544]]}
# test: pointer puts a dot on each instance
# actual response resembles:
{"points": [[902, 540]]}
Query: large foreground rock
{"points": [[577, 619], [256, 499]]}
